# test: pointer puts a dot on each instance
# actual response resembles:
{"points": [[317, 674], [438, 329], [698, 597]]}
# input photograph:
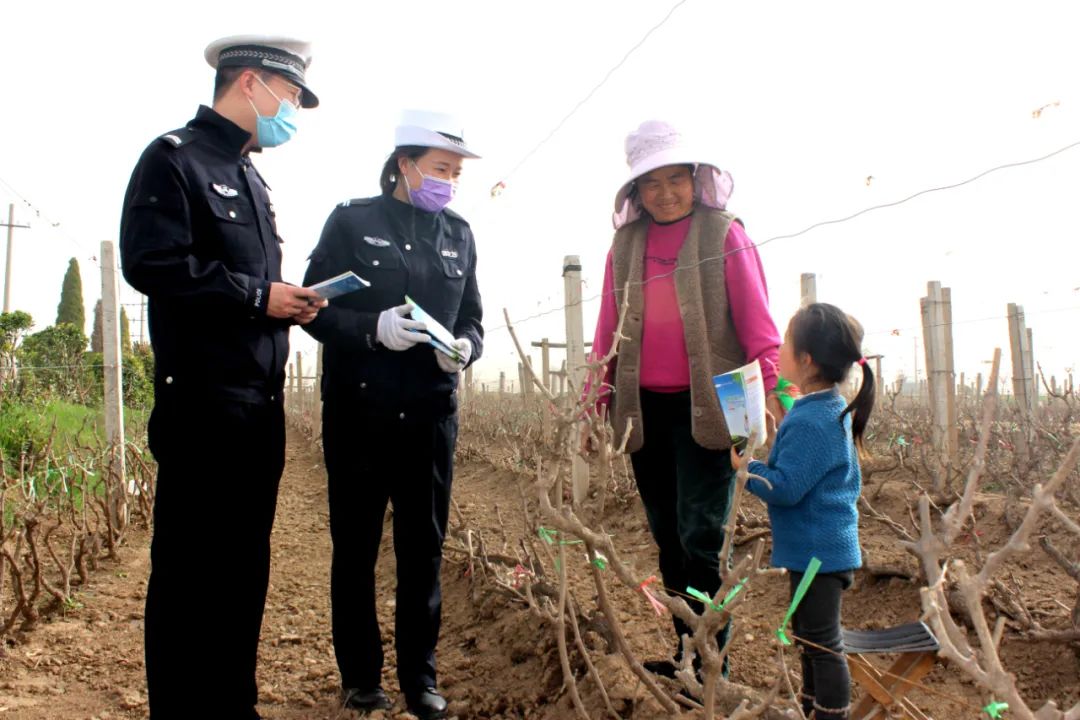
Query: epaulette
{"points": [[177, 138], [356, 201]]}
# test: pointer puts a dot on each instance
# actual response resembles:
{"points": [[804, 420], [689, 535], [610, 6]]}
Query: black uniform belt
{"points": [[202, 391]]}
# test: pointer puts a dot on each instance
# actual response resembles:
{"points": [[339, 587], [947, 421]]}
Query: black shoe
{"points": [[427, 704], [366, 700]]}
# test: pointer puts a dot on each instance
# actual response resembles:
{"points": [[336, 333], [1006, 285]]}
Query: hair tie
{"points": [[862, 361]]}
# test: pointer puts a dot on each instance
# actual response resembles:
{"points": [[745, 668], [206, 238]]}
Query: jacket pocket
{"points": [[378, 259], [237, 244]]}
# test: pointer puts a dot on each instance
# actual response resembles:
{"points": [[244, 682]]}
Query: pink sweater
{"points": [[665, 366]]}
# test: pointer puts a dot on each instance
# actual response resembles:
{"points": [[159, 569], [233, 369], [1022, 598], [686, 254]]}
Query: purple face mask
{"points": [[432, 195]]}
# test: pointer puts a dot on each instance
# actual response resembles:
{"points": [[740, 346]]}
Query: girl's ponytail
{"points": [[863, 404]]}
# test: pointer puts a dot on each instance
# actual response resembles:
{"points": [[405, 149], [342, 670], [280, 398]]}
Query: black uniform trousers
{"points": [[370, 460], [686, 490], [219, 465]]}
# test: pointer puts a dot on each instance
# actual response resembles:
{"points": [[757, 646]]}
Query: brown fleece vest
{"points": [[711, 342]]}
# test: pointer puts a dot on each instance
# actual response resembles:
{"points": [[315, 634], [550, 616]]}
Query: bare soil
{"points": [[497, 659]]}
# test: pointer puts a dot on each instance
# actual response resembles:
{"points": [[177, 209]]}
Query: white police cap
{"points": [[286, 56]]}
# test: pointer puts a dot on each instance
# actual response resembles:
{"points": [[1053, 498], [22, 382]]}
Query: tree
{"points": [[71, 310], [125, 333], [52, 362], [12, 326], [97, 335]]}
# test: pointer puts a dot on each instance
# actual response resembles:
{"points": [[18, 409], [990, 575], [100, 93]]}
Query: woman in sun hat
{"points": [[390, 402], [698, 307]]}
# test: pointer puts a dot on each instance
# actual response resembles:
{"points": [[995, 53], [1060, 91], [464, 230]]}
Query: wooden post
{"points": [[114, 382], [7, 265], [1023, 377], [290, 387], [1030, 364], [575, 365], [545, 378], [808, 289], [978, 388], [937, 339], [545, 362], [301, 396], [952, 418], [502, 384]]}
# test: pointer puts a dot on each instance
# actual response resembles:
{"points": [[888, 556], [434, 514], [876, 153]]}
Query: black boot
{"points": [[427, 704], [366, 700]]}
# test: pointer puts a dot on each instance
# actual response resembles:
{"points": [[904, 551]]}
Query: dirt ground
{"points": [[496, 658]]}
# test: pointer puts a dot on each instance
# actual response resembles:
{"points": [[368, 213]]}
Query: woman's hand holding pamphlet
{"points": [[441, 338]]}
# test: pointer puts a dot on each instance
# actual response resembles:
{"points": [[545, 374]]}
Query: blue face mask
{"points": [[271, 131]]}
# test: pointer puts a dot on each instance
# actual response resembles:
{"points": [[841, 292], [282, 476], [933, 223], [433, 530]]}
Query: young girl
{"points": [[813, 468]]}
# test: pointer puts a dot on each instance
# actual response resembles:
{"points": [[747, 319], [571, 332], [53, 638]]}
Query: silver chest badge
{"points": [[376, 241], [224, 190]]}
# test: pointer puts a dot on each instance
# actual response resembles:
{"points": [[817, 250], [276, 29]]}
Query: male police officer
{"points": [[198, 237]]}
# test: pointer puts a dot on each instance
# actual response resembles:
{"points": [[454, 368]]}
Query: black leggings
{"points": [[826, 682]]}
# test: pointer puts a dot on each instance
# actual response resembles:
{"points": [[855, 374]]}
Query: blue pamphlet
{"points": [[342, 284], [441, 338]]}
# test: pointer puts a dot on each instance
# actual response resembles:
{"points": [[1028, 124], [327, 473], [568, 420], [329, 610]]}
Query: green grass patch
{"points": [[25, 429], [74, 423]]}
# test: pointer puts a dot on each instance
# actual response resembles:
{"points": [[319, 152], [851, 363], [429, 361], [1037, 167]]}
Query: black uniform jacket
{"points": [[431, 257], [198, 238]]}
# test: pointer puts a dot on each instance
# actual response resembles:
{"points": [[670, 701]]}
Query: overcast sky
{"points": [[801, 102]]}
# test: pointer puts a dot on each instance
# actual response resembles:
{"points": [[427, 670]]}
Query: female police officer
{"points": [[390, 403]]}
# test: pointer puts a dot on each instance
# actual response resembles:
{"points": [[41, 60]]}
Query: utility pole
{"points": [[10, 225]]}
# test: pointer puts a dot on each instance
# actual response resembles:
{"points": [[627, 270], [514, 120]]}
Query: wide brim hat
{"points": [[287, 56], [656, 144], [422, 128]]}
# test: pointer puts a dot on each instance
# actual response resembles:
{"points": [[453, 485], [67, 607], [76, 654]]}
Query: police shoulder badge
{"points": [[224, 190], [178, 137]]}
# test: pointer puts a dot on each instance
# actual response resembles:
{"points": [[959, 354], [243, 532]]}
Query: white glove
{"points": [[447, 363], [398, 332]]}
